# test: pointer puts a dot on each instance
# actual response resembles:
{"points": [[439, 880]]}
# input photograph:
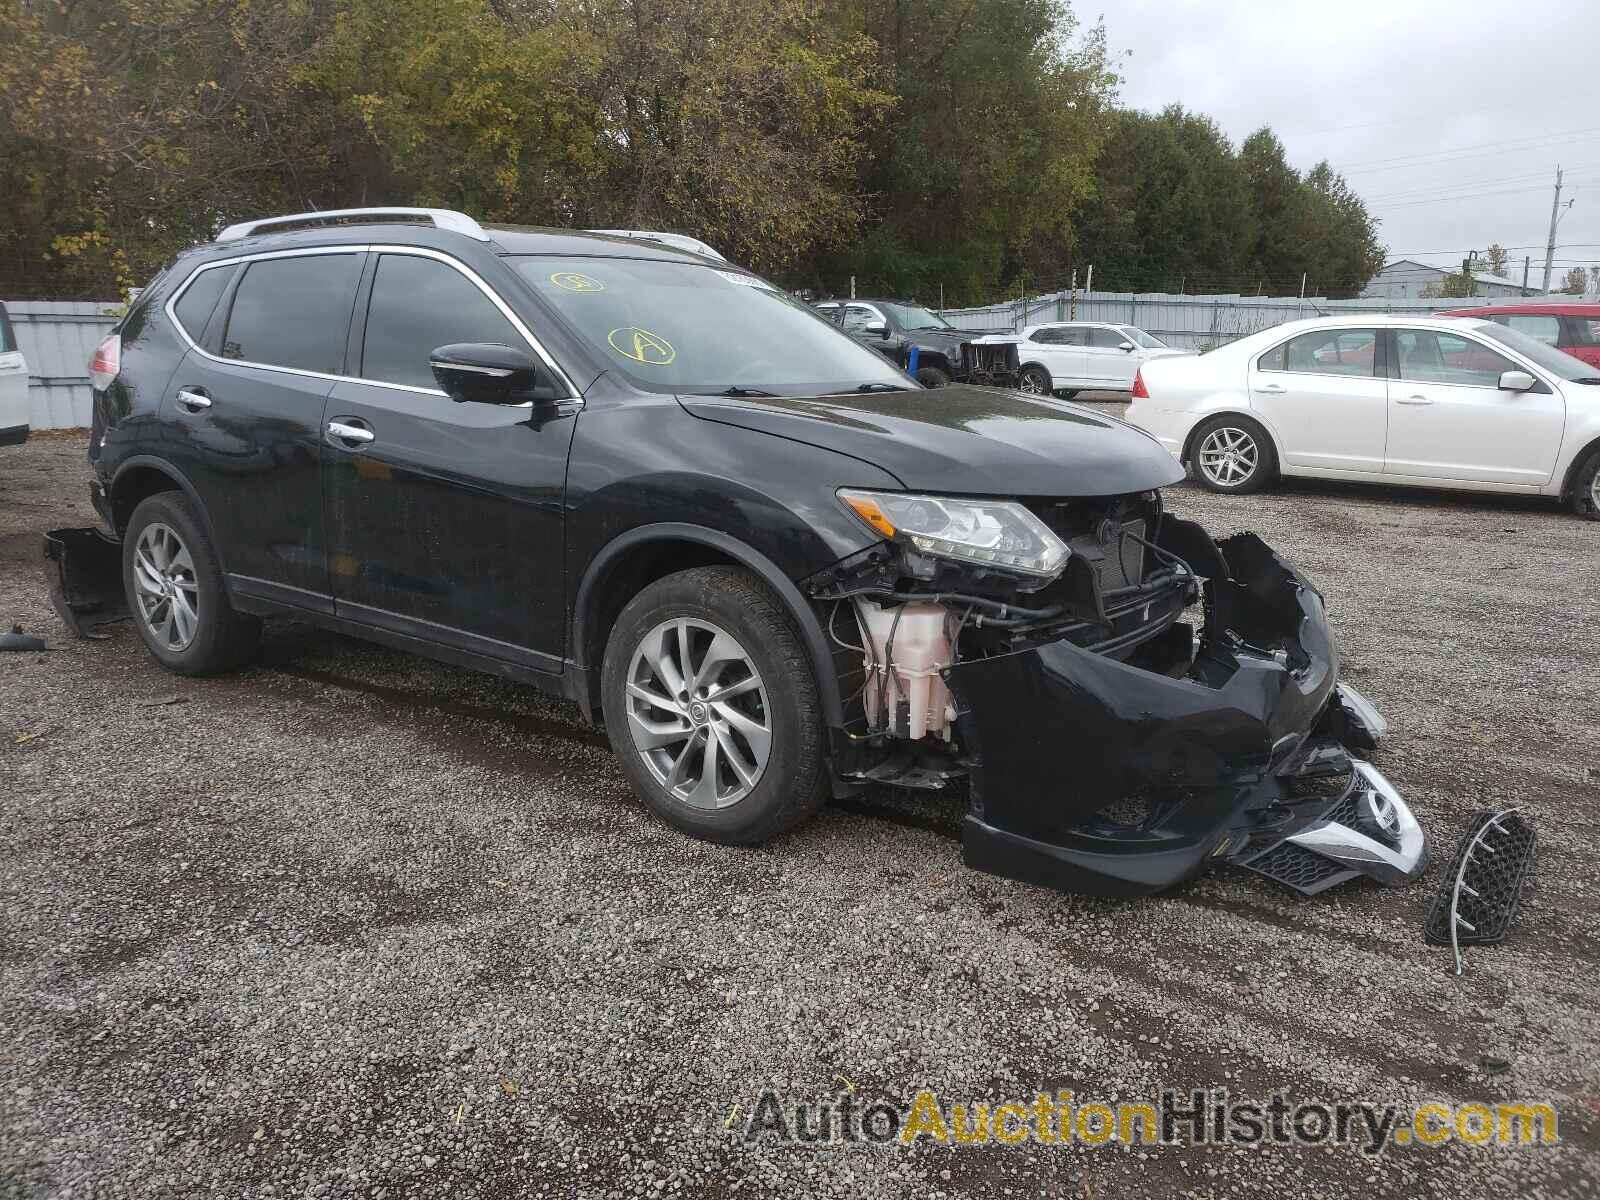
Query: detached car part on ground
{"points": [[692, 505]]}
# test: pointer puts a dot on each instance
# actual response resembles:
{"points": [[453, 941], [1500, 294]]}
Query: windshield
{"points": [[1141, 338], [1555, 361], [914, 316], [683, 327]]}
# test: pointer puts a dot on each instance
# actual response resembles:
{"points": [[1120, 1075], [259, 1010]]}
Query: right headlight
{"points": [[990, 533]]}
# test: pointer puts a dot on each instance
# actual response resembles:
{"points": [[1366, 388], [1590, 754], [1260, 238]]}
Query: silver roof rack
{"points": [[680, 241], [442, 218]]}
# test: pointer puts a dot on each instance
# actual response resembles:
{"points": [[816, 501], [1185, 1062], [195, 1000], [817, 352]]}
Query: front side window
{"points": [[914, 316], [294, 312], [419, 304], [1140, 338], [1105, 339], [688, 327], [1431, 356], [1540, 328], [1585, 330], [857, 317], [1325, 352]]}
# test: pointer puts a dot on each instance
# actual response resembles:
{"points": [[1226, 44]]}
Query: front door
{"points": [[244, 412], [1106, 362], [1324, 395], [1450, 419], [884, 340], [444, 520]]}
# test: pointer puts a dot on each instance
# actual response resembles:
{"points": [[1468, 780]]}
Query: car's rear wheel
{"points": [[712, 708], [933, 377], [1586, 488], [1066, 393], [1233, 455], [1035, 381], [173, 580]]}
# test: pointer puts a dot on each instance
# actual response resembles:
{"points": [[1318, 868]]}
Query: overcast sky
{"points": [[1448, 119]]}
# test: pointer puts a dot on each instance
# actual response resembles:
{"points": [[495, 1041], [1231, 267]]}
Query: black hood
{"points": [[967, 440], [947, 341]]}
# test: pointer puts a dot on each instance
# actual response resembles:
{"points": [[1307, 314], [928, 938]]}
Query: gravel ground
{"points": [[352, 923]]}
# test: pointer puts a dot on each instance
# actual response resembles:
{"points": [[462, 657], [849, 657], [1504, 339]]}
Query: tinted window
{"points": [[1049, 337], [1428, 356], [1324, 352], [294, 312], [194, 307], [6, 344], [857, 317], [1585, 330], [1140, 338], [1541, 328], [1105, 339], [914, 316], [418, 305]]}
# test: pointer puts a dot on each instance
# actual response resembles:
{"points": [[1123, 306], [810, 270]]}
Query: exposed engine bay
{"points": [[1130, 700]]}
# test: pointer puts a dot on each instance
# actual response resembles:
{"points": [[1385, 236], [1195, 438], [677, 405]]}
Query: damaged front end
{"points": [[1162, 704]]}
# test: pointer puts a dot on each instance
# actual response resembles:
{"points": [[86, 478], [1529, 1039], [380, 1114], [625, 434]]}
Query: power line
{"points": [[1427, 157]]}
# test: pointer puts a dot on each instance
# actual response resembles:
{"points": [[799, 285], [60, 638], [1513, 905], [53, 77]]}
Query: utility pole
{"points": [[1555, 219], [1526, 262]]}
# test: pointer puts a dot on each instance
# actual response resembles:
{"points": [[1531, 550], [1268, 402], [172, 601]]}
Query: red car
{"points": [[1574, 328]]}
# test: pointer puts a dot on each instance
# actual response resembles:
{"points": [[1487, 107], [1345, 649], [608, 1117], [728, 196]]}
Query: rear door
{"points": [[1450, 419], [444, 520], [1325, 397], [243, 411], [1059, 349], [14, 418]]}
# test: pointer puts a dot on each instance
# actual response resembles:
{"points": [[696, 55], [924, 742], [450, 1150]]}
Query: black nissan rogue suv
{"points": [[779, 569]]}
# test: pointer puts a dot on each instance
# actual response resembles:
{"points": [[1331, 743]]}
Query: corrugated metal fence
{"points": [[57, 339], [1188, 322]]}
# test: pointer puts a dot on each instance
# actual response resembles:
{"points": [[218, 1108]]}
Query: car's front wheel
{"points": [[1586, 488], [1233, 455], [712, 708], [933, 377], [174, 586]]}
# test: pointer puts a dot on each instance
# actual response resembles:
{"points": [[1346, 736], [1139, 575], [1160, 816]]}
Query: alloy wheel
{"points": [[698, 713], [1030, 383], [1229, 456], [1594, 492], [165, 586]]}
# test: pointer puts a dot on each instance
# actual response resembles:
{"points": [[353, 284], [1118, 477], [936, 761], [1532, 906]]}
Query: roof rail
{"points": [[443, 218], [680, 241]]}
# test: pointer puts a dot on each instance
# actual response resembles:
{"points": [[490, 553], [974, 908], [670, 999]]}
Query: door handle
{"points": [[1412, 400], [1272, 389], [344, 431], [193, 400]]}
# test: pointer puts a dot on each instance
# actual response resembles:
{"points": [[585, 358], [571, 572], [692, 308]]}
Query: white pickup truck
{"points": [[13, 387]]}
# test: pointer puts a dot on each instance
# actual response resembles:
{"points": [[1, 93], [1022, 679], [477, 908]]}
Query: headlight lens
{"points": [[992, 533]]}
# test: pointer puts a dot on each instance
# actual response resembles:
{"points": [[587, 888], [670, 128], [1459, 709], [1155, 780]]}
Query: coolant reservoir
{"points": [[907, 648]]}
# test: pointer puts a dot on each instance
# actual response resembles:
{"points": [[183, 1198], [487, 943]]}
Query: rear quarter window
{"points": [[199, 300]]}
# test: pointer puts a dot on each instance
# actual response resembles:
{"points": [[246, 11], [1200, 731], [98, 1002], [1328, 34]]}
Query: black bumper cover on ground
{"points": [[1114, 778]]}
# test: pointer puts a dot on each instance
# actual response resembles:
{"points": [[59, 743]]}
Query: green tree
{"points": [[1577, 279], [1495, 259]]}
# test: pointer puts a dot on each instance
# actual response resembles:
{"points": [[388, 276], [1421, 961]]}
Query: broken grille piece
{"points": [[1484, 883]]}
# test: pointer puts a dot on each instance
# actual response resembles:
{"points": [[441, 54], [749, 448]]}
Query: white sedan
{"points": [[1431, 401], [1072, 356]]}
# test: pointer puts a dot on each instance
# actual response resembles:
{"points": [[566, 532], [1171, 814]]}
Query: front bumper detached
{"points": [[1122, 778]]}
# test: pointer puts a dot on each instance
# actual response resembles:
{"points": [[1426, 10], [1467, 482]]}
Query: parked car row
{"points": [[775, 566]]}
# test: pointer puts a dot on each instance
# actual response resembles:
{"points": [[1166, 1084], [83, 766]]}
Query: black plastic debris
{"points": [[17, 640], [1484, 882]]}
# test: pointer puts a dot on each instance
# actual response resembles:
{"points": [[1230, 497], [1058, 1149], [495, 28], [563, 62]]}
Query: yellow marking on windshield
{"points": [[642, 346], [575, 282]]}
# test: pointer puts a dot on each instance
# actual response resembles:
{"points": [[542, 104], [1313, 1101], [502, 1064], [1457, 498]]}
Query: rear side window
{"points": [[7, 342], [294, 312], [1325, 352], [199, 299], [1540, 328], [419, 304], [1585, 330]]}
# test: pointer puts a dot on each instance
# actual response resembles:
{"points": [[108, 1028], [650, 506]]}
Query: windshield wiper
{"points": [[938, 328], [1589, 379], [873, 387], [735, 391]]}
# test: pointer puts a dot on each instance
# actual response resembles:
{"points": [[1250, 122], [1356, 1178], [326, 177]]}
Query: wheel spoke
{"points": [[183, 616], [738, 688], [145, 572], [746, 772], [654, 735], [680, 765], [704, 792], [660, 657], [654, 699], [754, 732], [723, 650]]}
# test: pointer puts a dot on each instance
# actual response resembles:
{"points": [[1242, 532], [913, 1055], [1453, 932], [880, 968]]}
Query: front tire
{"points": [[1233, 455], [712, 708], [1586, 488], [1035, 381], [933, 377], [173, 581]]}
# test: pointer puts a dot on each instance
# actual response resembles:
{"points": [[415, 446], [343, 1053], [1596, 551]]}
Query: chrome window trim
{"points": [[377, 248]]}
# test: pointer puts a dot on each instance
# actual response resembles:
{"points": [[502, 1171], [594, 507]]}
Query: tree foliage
{"points": [[964, 145]]}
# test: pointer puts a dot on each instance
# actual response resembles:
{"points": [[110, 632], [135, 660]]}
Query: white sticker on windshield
{"points": [[746, 280]]}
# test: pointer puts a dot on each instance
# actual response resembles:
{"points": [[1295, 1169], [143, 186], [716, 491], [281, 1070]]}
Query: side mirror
{"points": [[484, 373], [1128, 346], [877, 328], [1516, 381]]}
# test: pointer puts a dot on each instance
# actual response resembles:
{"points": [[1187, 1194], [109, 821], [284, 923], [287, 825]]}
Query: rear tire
{"points": [[173, 581], [679, 644], [1034, 380], [1233, 455], [1586, 488], [933, 377], [1066, 393]]}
